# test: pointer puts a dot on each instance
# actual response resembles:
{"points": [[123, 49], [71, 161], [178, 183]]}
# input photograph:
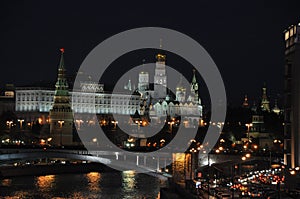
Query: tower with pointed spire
{"points": [[194, 88], [61, 116], [245, 103], [180, 91], [160, 77], [276, 109], [128, 86], [143, 83], [265, 104]]}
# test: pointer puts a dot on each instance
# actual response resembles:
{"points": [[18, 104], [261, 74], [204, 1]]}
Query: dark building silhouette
{"points": [[292, 96]]}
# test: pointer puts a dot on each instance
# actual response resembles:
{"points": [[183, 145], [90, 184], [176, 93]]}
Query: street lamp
{"points": [[115, 123], [139, 122], [171, 125], [48, 140], [248, 131], [95, 141], [9, 123], [79, 122], [21, 123], [60, 122]]}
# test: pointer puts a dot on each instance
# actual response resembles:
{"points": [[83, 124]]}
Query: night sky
{"points": [[245, 38]]}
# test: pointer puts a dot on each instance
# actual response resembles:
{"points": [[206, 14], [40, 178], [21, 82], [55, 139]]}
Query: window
{"points": [[286, 36], [291, 32]]}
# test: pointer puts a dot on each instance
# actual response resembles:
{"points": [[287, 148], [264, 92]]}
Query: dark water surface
{"points": [[110, 185]]}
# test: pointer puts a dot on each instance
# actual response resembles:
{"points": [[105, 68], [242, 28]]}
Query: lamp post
{"points": [[60, 122], [9, 123], [95, 141], [21, 123], [139, 122], [248, 131], [115, 124], [48, 140], [171, 125], [79, 122]]}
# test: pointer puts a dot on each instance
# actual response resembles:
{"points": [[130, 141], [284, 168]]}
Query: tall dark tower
{"points": [[292, 97], [61, 116], [194, 88]]}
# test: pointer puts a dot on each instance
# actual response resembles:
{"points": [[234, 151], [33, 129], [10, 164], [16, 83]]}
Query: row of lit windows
{"points": [[118, 111], [80, 95], [77, 108], [291, 32], [27, 98], [106, 102]]}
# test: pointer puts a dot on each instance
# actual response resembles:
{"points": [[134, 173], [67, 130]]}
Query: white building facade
{"points": [[41, 100]]}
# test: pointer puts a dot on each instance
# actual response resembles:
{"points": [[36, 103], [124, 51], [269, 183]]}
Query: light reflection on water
{"points": [[110, 185], [45, 183], [93, 181]]}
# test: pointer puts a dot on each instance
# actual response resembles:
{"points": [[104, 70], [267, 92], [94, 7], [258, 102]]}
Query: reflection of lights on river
{"points": [[94, 179], [45, 182], [129, 181], [6, 182]]}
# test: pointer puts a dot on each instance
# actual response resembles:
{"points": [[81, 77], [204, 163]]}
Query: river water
{"points": [[109, 185]]}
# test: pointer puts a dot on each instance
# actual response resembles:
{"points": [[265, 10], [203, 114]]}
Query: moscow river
{"points": [[108, 185]]}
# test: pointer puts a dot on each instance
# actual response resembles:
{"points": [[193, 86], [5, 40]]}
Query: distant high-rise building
{"points": [[61, 116], [292, 96]]}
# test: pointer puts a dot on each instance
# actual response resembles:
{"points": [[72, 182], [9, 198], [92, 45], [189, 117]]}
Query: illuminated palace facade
{"points": [[35, 103], [42, 99]]}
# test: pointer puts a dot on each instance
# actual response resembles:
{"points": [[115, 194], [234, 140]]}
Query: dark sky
{"points": [[243, 37]]}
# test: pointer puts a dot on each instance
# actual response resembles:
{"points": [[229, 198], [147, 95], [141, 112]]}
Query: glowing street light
{"points": [[60, 122], [171, 125], [21, 122], [79, 122], [248, 130], [95, 141], [139, 124], [9, 123], [293, 172], [115, 123]]}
